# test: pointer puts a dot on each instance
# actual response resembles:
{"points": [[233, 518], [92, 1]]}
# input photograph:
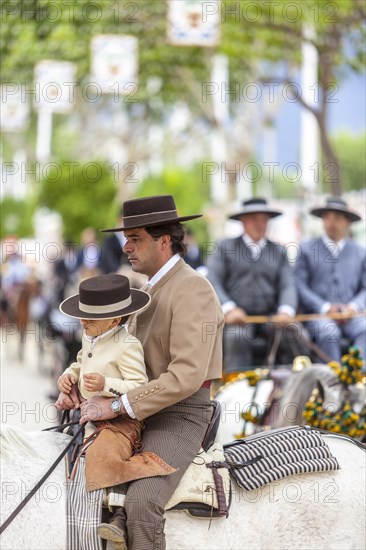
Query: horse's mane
{"points": [[300, 385], [15, 440], [298, 389]]}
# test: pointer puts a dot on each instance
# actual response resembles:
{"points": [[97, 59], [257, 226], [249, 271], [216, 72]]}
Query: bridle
{"points": [[21, 505]]}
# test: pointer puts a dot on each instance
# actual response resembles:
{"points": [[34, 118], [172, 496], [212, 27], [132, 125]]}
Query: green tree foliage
{"points": [[252, 33], [33, 30], [191, 194], [83, 194], [351, 151], [16, 217]]}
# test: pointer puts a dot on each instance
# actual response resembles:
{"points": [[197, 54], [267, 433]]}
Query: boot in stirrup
{"points": [[115, 530]]}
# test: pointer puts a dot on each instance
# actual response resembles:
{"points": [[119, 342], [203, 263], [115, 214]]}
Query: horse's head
{"points": [[333, 393]]}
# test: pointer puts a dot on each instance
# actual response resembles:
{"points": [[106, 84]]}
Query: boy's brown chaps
{"points": [[110, 458]]}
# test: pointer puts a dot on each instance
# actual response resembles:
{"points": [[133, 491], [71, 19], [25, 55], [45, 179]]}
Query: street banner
{"points": [[114, 63], [54, 83], [193, 22], [14, 108]]}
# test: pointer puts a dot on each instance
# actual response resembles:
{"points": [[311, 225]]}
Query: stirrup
{"points": [[112, 533]]}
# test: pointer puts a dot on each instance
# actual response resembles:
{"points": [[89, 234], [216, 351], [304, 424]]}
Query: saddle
{"points": [[205, 491], [213, 426]]}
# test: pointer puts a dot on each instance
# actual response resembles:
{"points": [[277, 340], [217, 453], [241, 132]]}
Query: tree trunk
{"points": [[332, 178]]}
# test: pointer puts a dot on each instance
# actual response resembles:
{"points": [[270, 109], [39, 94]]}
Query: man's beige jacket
{"points": [[181, 333]]}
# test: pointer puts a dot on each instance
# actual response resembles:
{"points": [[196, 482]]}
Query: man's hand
{"points": [[65, 382], [98, 408], [336, 308], [94, 381], [347, 311], [282, 319], [236, 316]]}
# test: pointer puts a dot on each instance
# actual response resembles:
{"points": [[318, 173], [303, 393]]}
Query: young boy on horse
{"points": [[110, 363]]}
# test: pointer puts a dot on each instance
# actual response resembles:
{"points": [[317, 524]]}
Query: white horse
{"points": [[238, 397], [308, 511]]}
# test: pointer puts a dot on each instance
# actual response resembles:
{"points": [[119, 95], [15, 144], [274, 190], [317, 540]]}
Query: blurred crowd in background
{"points": [[213, 102]]}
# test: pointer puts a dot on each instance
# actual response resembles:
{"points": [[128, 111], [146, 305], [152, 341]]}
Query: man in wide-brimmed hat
{"points": [[181, 333], [331, 277], [252, 276]]}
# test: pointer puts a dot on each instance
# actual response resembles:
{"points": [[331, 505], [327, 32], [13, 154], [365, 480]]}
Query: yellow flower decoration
{"points": [[345, 420]]}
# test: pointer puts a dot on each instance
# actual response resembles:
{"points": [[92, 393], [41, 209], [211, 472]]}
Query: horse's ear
{"points": [[321, 391]]}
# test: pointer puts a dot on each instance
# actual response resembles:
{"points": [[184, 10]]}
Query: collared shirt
{"points": [[159, 275], [256, 248], [334, 247], [94, 339], [163, 270]]}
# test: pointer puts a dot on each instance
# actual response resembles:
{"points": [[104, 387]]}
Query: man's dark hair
{"points": [[176, 233]]}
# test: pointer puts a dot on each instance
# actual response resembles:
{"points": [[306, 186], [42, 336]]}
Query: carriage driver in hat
{"points": [[252, 276], [181, 334], [331, 277]]}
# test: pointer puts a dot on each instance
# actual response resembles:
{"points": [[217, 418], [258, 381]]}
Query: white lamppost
{"points": [[54, 93], [14, 120], [114, 66]]}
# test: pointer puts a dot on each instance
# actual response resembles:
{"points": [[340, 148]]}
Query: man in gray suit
{"points": [[252, 276], [331, 277]]}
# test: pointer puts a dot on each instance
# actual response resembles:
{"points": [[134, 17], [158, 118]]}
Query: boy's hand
{"points": [[65, 382], [64, 402], [94, 381], [68, 401]]}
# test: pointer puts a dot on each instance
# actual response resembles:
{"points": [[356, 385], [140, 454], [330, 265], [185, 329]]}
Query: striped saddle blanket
{"points": [[268, 456]]}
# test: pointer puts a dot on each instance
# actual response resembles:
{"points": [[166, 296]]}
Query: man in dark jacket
{"points": [[111, 254], [252, 276]]}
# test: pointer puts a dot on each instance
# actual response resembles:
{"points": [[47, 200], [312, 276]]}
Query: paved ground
{"points": [[25, 384]]}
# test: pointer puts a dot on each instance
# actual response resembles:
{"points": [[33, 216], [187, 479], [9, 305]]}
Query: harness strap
{"points": [[220, 493], [60, 427], [315, 348], [21, 505]]}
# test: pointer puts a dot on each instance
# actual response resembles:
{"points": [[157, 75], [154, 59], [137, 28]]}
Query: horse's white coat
{"points": [[311, 511], [238, 397]]}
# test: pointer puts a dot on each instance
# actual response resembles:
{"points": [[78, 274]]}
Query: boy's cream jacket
{"points": [[118, 357]]}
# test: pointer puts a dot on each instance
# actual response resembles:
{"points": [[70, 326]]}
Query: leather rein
{"points": [[21, 505]]}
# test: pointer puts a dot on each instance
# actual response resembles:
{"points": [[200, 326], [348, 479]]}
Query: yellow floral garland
{"points": [[252, 376], [345, 420]]}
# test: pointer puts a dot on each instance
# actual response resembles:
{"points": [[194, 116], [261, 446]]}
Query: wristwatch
{"points": [[116, 406]]}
